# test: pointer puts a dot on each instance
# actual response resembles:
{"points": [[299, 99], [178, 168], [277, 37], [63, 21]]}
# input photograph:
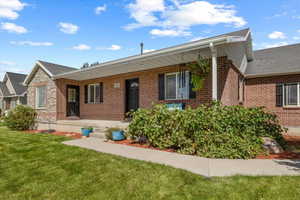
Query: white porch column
{"points": [[214, 72]]}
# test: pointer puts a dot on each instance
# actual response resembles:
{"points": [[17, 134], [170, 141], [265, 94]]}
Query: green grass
{"points": [[40, 167]]}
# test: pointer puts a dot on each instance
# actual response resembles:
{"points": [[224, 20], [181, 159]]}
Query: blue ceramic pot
{"points": [[118, 135], [86, 132]]}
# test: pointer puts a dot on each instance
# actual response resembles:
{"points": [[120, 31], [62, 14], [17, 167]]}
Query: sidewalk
{"points": [[198, 165]]}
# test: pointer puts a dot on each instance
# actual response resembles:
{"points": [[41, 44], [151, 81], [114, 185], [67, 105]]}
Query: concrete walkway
{"points": [[198, 165]]}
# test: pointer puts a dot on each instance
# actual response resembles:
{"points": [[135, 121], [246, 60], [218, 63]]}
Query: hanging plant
{"points": [[199, 71]]}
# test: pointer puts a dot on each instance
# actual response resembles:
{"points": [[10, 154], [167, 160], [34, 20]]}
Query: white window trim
{"points": [[89, 96], [187, 85], [37, 98], [298, 95]]}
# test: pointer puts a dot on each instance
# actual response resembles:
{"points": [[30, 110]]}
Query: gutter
{"points": [[249, 76], [161, 52]]}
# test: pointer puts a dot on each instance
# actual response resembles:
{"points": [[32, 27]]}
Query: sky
{"points": [[73, 32]]}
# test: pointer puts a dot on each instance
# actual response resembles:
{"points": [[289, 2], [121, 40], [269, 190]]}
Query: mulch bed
{"points": [[135, 144], [292, 140], [66, 134]]}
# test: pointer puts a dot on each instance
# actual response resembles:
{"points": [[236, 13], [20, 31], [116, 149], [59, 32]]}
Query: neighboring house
{"points": [[12, 91], [239, 76]]}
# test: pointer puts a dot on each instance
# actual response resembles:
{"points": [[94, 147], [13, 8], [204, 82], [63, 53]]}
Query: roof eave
{"points": [[30, 75], [163, 52], [248, 76]]}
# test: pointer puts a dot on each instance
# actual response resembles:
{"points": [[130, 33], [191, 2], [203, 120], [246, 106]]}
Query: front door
{"points": [[132, 94], [73, 103]]}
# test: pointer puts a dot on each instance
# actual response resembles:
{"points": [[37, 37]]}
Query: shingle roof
{"points": [[279, 60], [17, 82], [4, 89], [56, 69]]}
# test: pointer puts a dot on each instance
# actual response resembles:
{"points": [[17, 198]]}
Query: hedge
{"points": [[213, 131]]}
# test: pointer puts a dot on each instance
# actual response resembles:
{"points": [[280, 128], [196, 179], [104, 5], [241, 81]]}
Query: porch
{"points": [[75, 126]]}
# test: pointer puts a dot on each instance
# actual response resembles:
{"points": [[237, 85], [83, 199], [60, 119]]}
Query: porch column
{"points": [[214, 72]]}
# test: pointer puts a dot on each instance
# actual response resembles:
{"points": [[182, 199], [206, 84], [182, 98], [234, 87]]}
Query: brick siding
{"points": [[113, 107], [262, 92]]}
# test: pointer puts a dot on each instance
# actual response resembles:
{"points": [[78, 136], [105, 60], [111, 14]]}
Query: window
{"points": [[94, 93], [177, 85], [71, 95], [291, 94], [13, 104], [41, 96]]}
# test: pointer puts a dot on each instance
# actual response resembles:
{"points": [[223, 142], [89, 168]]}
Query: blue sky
{"points": [[72, 32]]}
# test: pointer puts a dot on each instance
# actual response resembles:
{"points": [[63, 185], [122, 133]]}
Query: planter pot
{"points": [[86, 132], [118, 135]]}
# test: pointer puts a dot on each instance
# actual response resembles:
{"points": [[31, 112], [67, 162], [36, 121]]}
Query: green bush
{"points": [[20, 118], [213, 131]]}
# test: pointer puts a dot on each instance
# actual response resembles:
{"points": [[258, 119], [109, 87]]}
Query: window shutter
{"points": [[161, 86], [279, 95], [86, 94], [101, 92], [192, 93]]}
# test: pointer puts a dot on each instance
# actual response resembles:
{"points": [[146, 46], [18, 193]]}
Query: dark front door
{"points": [[132, 94], [73, 108]]}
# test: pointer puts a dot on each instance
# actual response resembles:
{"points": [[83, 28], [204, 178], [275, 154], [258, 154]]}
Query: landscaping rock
{"points": [[272, 145]]}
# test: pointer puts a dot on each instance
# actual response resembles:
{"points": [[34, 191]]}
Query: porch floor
{"points": [[75, 125]]}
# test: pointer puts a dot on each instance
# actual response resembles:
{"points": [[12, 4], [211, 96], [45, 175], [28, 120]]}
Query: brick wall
{"points": [[113, 107], [48, 114], [262, 92]]}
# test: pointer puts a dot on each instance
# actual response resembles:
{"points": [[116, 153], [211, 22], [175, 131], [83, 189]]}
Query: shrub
{"points": [[108, 132], [213, 131], [21, 118]]}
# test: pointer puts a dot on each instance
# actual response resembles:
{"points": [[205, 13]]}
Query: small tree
{"points": [[200, 71], [21, 118]]}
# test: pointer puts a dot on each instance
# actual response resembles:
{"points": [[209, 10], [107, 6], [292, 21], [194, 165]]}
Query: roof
{"points": [[4, 89], [51, 69], [275, 61], [151, 59], [16, 80], [56, 69]]}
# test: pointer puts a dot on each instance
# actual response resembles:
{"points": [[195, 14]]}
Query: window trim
{"points": [[187, 86], [37, 97], [284, 95], [95, 91]]}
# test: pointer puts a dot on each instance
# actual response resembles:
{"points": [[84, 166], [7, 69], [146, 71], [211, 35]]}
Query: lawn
{"points": [[36, 166]]}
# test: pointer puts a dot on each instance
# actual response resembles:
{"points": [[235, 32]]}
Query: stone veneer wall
{"points": [[47, 114]]}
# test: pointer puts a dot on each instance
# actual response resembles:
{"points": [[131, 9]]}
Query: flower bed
{"points": [[66, 134], [284, 155]]}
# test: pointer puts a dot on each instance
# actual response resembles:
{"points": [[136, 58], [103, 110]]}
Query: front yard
{"points": [[37, 166]]}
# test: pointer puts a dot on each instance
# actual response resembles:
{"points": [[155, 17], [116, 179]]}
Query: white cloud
{"points": [[9, 8], [148, 50], [299, 31], [114, 47], [82, 47], [100, 9], [30, 43], [181, 16], [143, 11], [7, 63], [275, 45], [196, 38], [68, 28], [13, 28], [296, 38], [277, 35], [169, 32]]}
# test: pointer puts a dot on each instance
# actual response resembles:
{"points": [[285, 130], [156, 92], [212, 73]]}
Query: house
{"points": [[12, 91], [239, 76]]}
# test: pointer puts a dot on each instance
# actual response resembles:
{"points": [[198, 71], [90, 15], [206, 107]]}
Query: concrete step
{"points": [[100, 135]]}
